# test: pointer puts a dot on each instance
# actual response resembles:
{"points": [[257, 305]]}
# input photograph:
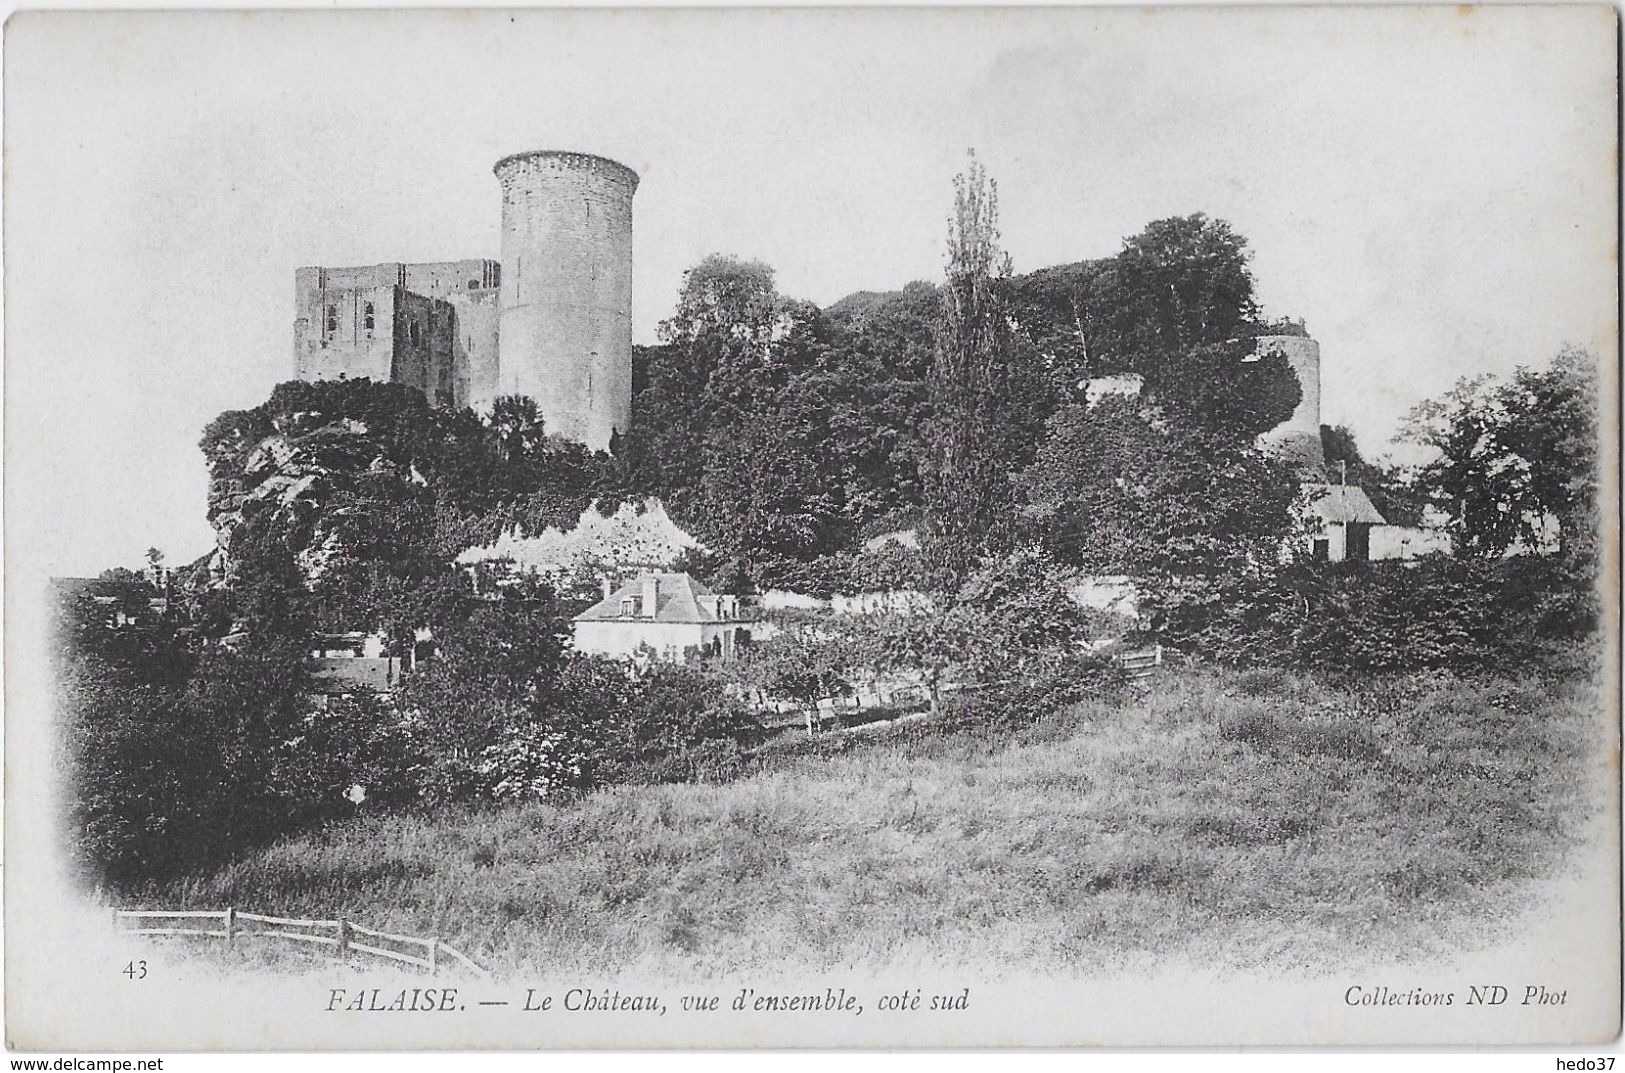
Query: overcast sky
{"points": [[1432, 190]]}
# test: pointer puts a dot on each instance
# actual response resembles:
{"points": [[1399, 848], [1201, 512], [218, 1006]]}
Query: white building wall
{"points": [[1337, 535], [1407, 541], [623, 637]]}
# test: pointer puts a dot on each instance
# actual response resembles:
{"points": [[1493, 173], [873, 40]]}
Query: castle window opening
{"points": [[366, 316], [332, 319], [473, 284]]}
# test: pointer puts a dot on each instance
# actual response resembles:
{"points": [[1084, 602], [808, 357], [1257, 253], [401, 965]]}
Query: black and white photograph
{"points": [[884, 528]]}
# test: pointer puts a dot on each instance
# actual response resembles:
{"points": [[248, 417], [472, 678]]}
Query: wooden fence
{"points": [[346, 937], [1138, 666]]}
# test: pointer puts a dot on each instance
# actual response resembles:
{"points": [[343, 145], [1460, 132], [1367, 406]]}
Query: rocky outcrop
{"points": [[636, 536]]}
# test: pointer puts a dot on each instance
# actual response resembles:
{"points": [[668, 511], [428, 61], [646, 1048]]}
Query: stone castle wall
{"points": [[1298, 437], [417, 363], [448, 279], [566, 293], [430, 326], [344, 323], [475, 348], [554, 324]]}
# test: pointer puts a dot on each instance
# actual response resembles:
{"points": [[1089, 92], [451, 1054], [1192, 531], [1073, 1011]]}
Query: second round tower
{"points": [[566, 294], [1298, 437]]}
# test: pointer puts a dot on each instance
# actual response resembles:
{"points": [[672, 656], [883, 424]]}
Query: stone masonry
{"points": [[566, 300], [556, 326]]}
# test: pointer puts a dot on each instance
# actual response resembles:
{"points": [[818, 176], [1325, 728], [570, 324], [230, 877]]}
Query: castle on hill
{"points": [[552, 319]]}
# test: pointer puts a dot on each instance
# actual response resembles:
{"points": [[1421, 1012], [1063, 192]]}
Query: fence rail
{"points": [[1138, 666], [427, 954]]}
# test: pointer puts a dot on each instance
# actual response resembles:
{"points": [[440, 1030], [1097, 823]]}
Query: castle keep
{"points": [[556, 325]]}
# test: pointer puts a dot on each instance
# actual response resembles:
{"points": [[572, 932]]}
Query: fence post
{"points": [[231, 925], [344, 937], [434, 957]]}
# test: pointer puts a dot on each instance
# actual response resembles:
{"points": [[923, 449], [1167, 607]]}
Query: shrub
{"points": [[355, 741], [1032, 695], [716, 760], [169, 777], [530, 764], [1356, 619], [682, 706], [447, 778]]}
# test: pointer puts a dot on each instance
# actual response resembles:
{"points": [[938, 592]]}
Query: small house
{"points": [[1345, 515], [671, 615]]}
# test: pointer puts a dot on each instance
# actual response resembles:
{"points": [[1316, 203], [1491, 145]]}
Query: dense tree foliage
{"points": [[1515, 463], [1514, 471], [186, 751], [775, 432], [986, 393], [357, 496], [1180, 284], [1521, 613], [783, 435], [1011, 619], [179, 753], [1165, 483]]}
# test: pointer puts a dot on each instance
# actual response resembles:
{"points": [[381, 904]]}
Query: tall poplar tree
{"points": [[967, 464]]}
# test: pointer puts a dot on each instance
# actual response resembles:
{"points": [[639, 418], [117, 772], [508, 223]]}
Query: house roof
{"points": [[678, 600], [1343, 503]]}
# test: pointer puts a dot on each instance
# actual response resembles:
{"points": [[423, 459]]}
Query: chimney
{"points": [[651, 594], [608, 587]]}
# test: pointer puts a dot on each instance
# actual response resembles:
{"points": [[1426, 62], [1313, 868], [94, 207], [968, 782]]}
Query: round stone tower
{"points": [[565, 302], [1298, 437]]}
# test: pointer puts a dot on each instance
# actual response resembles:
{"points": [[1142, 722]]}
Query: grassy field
{"points": [[1259, 821]]}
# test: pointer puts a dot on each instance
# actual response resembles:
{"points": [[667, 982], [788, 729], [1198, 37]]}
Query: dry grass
{"points": [[1234, 822]]}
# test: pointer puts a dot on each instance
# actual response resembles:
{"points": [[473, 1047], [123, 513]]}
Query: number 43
{"points": [[135, 970]]}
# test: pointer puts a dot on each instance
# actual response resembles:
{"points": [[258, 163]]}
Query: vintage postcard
{"points": [[885, 528]]}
